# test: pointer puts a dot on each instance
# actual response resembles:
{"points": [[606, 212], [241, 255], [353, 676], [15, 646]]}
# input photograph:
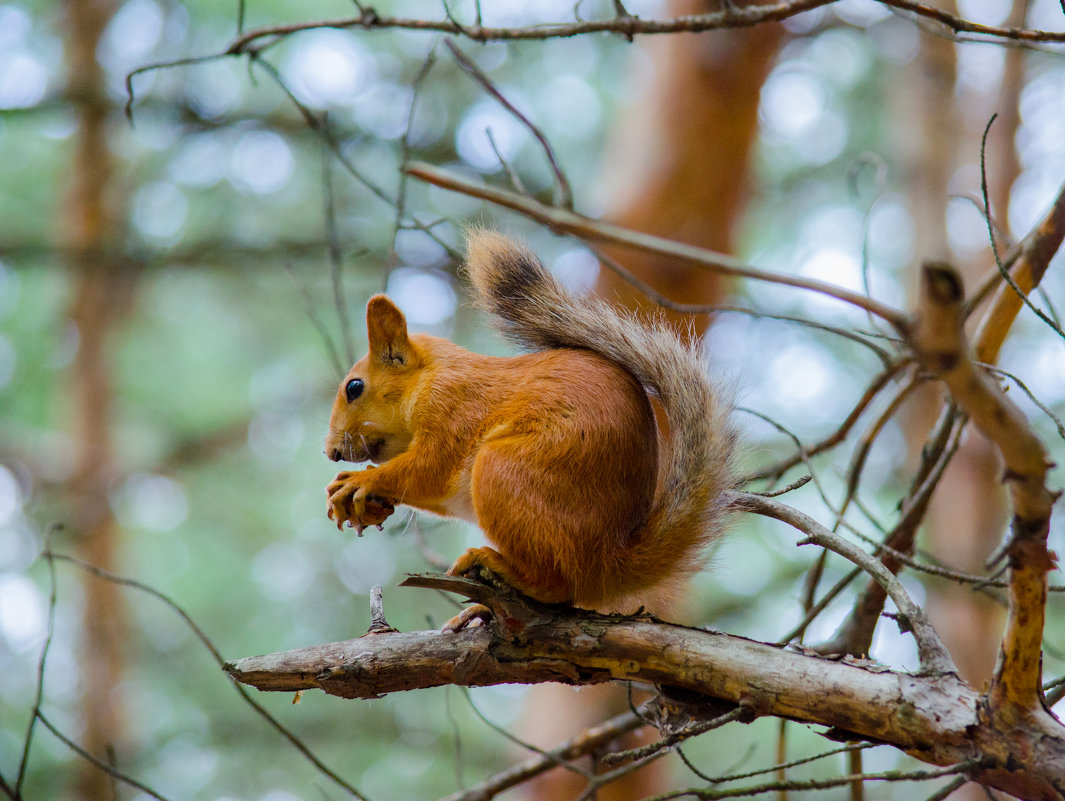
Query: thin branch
{"points": [[719, 308], [881, 380], [812, 475], [958, 25], [675, 739], [855, 634], [947, 790], [792, 764], [933, 655], [404, 145], [327, 137], [820, 784], [586, 742], [544, 754], [41, 662], [569, 222], [99, 763], [311, 310], [512, 174], [563, 191], [820, 606], [994, 246], [210, 646], [868, 437], [745, 17], [730, 17], [794, 485], [1031, 395]]}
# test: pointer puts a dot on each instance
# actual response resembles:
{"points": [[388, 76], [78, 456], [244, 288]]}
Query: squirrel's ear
{"points": [[387, 329]]}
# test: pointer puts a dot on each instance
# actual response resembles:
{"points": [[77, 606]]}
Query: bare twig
{"points": [[1022, 294], [570, 222], [820, 784], [1031, 395], [730, 17], [673, 740], [329, 139], [792, 764], [586, 742], [563, 191], [404, 143], [545, 754], [794, 485], [816, 609], [378, 624], [41, 662], [855, 635], [933, 655], [878, 383], [720, 308], [210, 646], [99, 763], [310, 308], [948, 789]]}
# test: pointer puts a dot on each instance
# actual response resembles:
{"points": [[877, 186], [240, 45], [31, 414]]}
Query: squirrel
{"points": [[554, 454]]}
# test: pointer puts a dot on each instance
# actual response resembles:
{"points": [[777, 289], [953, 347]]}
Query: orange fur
{"points": [[554, 454]]}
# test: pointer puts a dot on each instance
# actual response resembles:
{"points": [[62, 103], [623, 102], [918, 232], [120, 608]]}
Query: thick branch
{"points": [[934, 717], [1035, 252], [939, 342]]}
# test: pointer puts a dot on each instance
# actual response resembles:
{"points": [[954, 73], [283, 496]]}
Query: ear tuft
{"points": [[387, 330]]}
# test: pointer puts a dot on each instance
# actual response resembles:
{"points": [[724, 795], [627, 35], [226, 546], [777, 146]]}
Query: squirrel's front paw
{"points": [[350, 502]]}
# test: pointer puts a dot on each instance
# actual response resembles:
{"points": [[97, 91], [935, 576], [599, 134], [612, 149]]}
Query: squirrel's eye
{"points": [[353, 389]]}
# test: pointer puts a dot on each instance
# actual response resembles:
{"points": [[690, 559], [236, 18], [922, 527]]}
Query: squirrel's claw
{"points": [[476, 615], [350, 503]]}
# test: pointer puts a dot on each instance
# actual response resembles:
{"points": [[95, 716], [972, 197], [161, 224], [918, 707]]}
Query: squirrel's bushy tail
{"points": [[537, 312]]}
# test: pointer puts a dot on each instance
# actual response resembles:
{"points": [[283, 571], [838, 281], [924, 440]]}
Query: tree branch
{"points": [[934, 717], [938, 340], [584, 743], [731, 16], [934, 656], [570, 222]]}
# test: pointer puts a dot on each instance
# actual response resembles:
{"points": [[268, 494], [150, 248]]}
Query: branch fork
{"points": [[938, 340]]}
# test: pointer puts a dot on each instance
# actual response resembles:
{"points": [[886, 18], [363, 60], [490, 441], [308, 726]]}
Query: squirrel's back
{"points": [[690, 509]]}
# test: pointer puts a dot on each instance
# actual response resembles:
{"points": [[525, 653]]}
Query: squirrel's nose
{"points": [[336, 455]]}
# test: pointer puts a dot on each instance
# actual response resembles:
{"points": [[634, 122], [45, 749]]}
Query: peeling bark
{"points": [[936, 718]]}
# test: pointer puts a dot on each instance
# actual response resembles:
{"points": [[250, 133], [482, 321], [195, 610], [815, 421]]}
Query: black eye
{"points": [[353, 389]]}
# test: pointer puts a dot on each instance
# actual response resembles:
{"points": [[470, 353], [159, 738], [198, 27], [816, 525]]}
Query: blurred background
{"points": [[172, 331]]}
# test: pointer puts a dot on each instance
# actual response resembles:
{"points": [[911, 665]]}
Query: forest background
{"points": [[172, 330]]}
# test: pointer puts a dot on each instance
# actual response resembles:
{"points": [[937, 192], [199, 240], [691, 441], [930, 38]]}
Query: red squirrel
{"points": [[554, 454]]}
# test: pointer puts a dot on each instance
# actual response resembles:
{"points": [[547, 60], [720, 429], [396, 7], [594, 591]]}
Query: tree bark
{"points": [[935, 717]]}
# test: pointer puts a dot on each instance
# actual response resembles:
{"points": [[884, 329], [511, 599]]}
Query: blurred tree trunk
{"points": [[100, 288], [677, 166]]}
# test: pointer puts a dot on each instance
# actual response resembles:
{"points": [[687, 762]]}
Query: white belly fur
{"points": [[460, 503]]}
